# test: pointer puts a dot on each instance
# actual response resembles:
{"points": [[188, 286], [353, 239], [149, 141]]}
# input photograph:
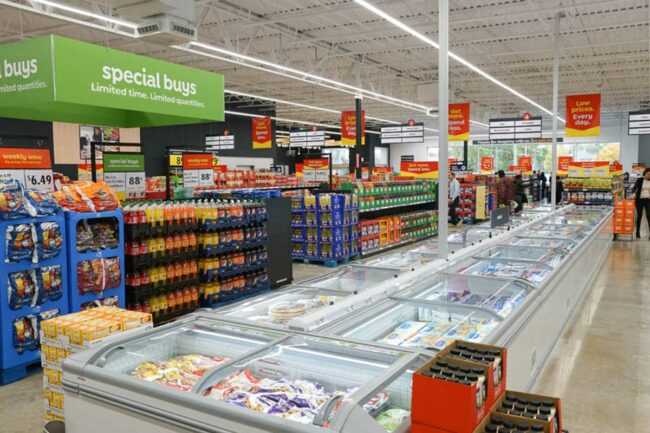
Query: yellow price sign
{"points": [[175, 160], [215, 160]]}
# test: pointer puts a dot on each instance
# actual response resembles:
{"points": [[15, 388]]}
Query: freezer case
{"points": [[401, 261], [528, 271], [561, 244], [547, 256], [237, 379], [354, 279], [417, 324], [431, 247], [474, 235]]}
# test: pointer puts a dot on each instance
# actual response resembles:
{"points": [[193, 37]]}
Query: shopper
{"points": [[505, 190], [559, 189], [454, 197], [641, 193], [520, 194], [542, 184]]}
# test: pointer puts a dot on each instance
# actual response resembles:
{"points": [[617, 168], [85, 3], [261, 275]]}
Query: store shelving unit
{"points": [[593, 191], [77, 300], [16, 361]]}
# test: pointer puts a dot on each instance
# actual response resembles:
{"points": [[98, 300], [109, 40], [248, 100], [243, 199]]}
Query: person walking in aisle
{"points": [[520, 194], [641, 192], [454, 197], [505, 190], [542, 184]]}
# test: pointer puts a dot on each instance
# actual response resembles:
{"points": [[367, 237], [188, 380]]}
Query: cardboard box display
{"points": [[455, 406], [496, 376], [557, 405]]}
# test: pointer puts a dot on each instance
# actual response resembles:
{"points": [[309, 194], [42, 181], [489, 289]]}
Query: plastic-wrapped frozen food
{"points": [[19, 243], [85, 239], [403, 332], [181, 372], [392, 418]]}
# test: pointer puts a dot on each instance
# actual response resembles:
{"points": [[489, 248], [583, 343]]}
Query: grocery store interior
{"points": [[344, 216]]}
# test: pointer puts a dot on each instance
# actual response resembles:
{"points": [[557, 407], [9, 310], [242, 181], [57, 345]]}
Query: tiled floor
{"points": [[600, 367]]}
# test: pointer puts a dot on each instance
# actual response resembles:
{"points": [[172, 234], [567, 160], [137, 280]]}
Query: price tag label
{"points": [[191, 178], [206, 177], [12, 175], [176, 160], [33, 179], [116, 181], [136, 186]]}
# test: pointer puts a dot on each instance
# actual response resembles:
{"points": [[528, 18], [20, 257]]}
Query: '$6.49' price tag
{"points": [[41, 180]]}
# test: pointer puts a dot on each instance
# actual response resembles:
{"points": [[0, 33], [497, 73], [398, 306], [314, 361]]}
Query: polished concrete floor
{"points": [[600, 366]]}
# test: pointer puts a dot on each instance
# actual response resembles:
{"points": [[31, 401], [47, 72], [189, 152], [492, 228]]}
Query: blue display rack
{"points": [[77, 299], [14, 364]]}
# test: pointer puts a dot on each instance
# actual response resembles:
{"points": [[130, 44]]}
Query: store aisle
{"points": [[601, 365]]}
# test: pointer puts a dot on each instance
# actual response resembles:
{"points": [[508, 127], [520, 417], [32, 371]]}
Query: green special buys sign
{"points": [[58, 79], [125, 173]]}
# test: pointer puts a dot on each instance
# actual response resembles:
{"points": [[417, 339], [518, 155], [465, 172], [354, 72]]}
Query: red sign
{"points": [[589, 169], [14, 158], [487, 164], [518, 168], [527, 116], [458, 122], [615, 168], [315, 164], [526, 161], [262, 134], [197, 161], [583, 115], [220, 168], [349, 128], [563, 164], [411, 122], [382, 170], [419, 169]]}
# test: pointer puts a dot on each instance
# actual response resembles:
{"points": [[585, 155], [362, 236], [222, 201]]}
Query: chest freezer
{"points": [[549, 233], [401, 261], [263, 382], [546, 256], [533, 273], [562, 244], [417, 324], [431, 247], [502, 296], [353, 279], [474, 235]]}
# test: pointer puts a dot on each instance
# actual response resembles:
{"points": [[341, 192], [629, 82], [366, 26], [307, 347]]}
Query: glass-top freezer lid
{"points": [[499, 295], [178, 356], [532, 272], [279, 308], [401, 260], [474, 235], [573, 220], [417, 324], [295, 379], [563, 244], [352, 279], [431, 247], [547, 256]]}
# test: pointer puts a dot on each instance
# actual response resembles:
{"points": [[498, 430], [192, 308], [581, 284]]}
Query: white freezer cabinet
{"points": [[401, 261], [531, 272], [354, 279], [203, 375], [549, 257], [474, 235]]}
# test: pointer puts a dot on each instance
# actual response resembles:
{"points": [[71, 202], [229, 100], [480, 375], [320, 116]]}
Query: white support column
{"points": [[443, 120], [556, 85]]}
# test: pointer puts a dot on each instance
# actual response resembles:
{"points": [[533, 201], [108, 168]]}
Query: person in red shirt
{"points": [[505, 190]]}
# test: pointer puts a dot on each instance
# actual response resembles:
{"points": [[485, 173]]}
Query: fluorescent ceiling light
{"points": [[86, 13], [454, 56]]}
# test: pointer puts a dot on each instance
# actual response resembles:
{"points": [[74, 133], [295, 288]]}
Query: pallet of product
{"points": [[329, 263]]}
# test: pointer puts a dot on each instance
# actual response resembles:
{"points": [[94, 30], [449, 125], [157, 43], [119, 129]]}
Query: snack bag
{"points": [[105, 234], [22, 289], [85, 239], [12, 201], [26, 334], [112, 274], [49, 240], [20, 243], [70, 198], [90, 276], [41, 203], [100, 194], [49, 281]]}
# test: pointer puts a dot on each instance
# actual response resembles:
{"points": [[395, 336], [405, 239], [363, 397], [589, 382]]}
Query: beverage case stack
{"points": [[463, 390], [65, 335]]}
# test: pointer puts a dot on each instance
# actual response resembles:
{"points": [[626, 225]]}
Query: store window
{"points": [[381, 156], [456, 152]]}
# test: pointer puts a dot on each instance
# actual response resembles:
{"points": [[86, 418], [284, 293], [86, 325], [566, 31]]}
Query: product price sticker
{"points": [[35, 179], [136, 186], [206, 177]]}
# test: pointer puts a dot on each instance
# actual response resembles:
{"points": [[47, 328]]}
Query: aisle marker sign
{"points": [[349, 128], [638, 122], [583, 115], [311, 138], [410, 132], [32, 167], [125, 173], [262, 133], [198, 170], [219, 142], [459, 122], [515, 128]]}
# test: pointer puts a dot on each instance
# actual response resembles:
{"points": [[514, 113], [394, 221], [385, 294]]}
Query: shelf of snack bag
{"points": [[161, 249], [466, 382], [65, 335], [237, 179], [325, 227], [593, 190], [374, 196], [380, 234], [95, 244], [623, 221], [33, 274], [232, 241]]}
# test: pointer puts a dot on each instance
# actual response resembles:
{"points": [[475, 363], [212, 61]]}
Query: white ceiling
{"points": [[605, 49]]}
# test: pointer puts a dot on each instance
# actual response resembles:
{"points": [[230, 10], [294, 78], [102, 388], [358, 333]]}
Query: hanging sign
{"points": [[526, 161], [516, 128], [638, 166], [53, 78], [459, 169], [410, 132], [615, 169], [459, 122], [311, 138], [349, 128], [215, 143], [589, 169], [583, 115], [124, 172], [517, 141], [31, 167], [419, 169], [262, 133], [638, 122], [198, 170], [487, 165], [316, 170], [563, 165]]}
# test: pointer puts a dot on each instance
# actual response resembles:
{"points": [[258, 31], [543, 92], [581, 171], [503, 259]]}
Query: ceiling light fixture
{"points": [[452, 55]]}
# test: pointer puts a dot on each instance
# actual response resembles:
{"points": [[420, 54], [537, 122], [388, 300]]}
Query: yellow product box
{"points": [[52, 377], [52, 416], [133, 319], [85, 332]]}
